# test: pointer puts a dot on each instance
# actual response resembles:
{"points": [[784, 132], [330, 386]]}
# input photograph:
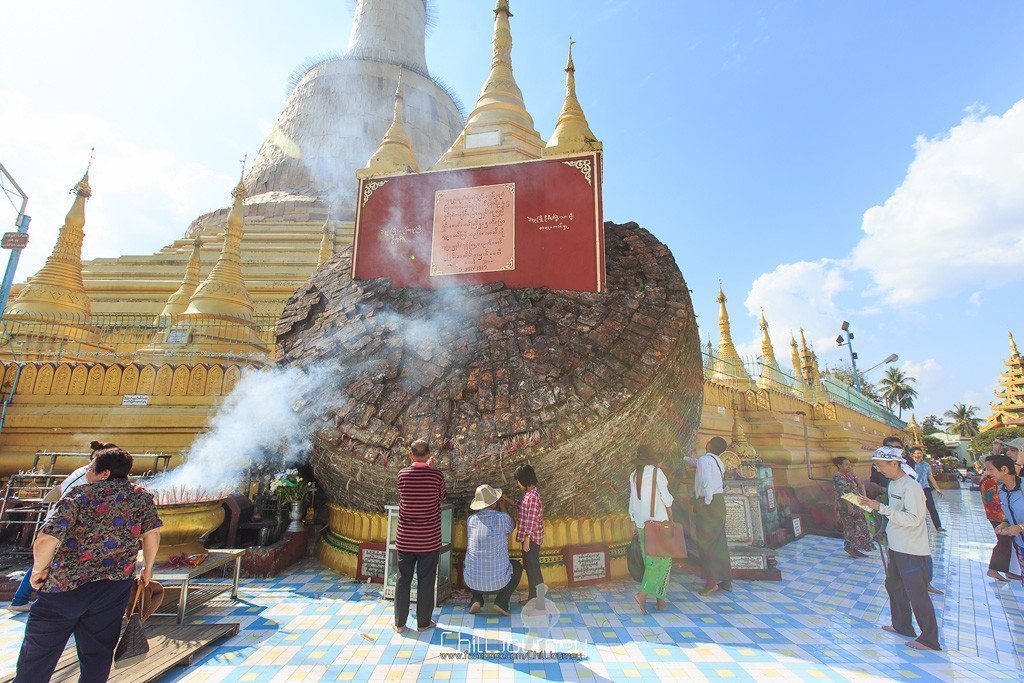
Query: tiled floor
{"points": [[819, 624]]}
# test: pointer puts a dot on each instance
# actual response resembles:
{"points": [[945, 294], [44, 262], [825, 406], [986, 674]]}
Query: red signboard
{"points": [[370, 562], [587, 564], [531, 224], [14, 240]]}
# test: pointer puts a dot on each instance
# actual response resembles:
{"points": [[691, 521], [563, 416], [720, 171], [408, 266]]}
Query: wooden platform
{"points": [[170, 645]]}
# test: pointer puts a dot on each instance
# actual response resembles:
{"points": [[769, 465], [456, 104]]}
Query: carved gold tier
{"points": [[348, 528], [184, 525]]}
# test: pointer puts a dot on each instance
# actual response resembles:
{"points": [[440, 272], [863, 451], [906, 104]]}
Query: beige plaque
{"points": [[474, 230]]}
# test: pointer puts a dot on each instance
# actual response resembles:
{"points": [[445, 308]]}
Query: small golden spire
{"points": [[178, 302], [817, 388], [799, 387], [58, 289], [499, 129], [729, 368], [395, 155], [223, 292], [1013, 346], [572, 132], [915, 431], [771, 374], [326, 244]]}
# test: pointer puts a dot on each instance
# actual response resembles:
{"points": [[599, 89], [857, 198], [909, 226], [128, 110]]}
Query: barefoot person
{"points": [[999, 561], [530, 531], [1003, 469], [84, 569], [906, 574], [926, 479], [857, 537], [709, 490], [487, 568], [649, 499], [421, 490]]}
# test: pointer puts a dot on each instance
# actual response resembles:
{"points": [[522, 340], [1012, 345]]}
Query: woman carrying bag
{"points": [[650, 500]]}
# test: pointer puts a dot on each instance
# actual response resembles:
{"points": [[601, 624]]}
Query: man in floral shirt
{"points": [[84, 568]]}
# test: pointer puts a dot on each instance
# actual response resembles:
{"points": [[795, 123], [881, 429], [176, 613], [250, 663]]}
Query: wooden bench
{"points": [[170, 645]]}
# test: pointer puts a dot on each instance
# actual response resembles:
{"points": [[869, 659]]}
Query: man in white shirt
{"points": [[906, 574], [709, 509]]}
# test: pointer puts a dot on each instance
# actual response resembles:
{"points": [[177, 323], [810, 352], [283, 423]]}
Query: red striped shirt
{"points": [[420, 491]]}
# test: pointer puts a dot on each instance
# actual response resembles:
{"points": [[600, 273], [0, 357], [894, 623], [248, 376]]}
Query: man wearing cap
{"points": [[487, 568], [906, 574]]}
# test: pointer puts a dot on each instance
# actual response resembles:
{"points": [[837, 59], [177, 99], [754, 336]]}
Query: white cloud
{"points": [[143, 197], [923, 371], [795, 295], [957, 220], [976, 299]]}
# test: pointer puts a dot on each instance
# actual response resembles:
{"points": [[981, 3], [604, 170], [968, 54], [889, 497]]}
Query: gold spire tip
{"points": [[569, 66], [502, 6]]}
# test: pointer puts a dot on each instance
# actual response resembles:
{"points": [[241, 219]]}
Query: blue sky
{"points": [[753, 138]]}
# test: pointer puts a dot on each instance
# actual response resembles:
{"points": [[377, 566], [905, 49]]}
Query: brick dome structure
{"points": [[494, 377]]}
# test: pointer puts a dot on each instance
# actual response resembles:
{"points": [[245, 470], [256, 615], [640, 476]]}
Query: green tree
{"points": [[844, 373], [934, 447], [962, 419], [982, 442], [897, 390], [932, 424]]}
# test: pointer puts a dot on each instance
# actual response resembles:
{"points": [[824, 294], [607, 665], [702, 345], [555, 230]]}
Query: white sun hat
{"points": [[485, 497]]}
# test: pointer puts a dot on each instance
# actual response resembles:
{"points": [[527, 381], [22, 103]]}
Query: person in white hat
{"points": [[908, 568], [487, 568]]}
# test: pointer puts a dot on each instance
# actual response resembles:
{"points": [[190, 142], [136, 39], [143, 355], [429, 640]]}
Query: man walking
{"points": [[927, 482], [421, 490], [709, 510], [906, 574]]}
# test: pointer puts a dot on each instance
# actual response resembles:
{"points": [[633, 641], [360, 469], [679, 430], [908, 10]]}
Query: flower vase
{"points": [[295, 515]]}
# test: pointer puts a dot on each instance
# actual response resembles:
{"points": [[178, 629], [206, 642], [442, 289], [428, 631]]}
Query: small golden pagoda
{"points": [[395, 155], [1009, 411], [729, 369], [572, 132], [799, 386], [178, 302], [499, 130], [326, 245], [771, 374], [915, 431]]}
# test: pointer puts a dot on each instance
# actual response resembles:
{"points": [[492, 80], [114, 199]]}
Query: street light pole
{"points": [[21, 222], [853, 356]]}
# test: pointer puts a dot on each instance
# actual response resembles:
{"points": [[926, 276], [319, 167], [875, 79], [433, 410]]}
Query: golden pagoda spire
{"points": [[178, 302], [57, 289], [572, 132], [771, 374], [799, 387], [499, 129], [817, 388], [1014, 353], [223, 292], [326, 244], [395, 155], [915, 431], [729, 368], [709, 360], [1009, 411]]}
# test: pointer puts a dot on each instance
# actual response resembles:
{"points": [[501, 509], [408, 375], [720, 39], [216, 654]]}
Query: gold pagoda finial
{"points": [[1013, 346], [395, 155], [799, 387], [499, 129], [178, 302], [572, 132], [58, 289], [915, 431], [816, 389], [771, 374], [729, 368], [326, 244], [223, 292]]}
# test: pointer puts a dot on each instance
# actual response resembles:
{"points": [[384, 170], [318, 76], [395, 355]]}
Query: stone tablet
{"points": [[370, 564], [474, 230], [587, 564]]}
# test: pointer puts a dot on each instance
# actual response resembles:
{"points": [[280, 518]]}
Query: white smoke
{"points": [[265, 420]]}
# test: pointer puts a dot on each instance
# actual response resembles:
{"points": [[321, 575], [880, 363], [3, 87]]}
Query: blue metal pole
{"points": [[12, 266], [853, 361]]}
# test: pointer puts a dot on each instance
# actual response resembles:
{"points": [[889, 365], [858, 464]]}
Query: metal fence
{"points": [[113, 338], [837, 391]]}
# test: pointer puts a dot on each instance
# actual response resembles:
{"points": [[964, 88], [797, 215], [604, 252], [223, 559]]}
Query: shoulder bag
{"points": [[662, 539]]}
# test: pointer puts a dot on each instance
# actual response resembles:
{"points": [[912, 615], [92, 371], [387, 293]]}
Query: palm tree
{"points": [[963, 421], [896, 390]]}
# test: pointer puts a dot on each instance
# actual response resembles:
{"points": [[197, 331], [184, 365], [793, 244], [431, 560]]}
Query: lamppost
{"points": [[848, 342], [15, 241], [891, 358]]}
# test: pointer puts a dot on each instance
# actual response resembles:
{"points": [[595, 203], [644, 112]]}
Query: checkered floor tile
{"points": [[820, 623]]}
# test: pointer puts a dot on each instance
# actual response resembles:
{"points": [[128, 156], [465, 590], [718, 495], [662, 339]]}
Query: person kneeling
{"points": [[487, 566]]}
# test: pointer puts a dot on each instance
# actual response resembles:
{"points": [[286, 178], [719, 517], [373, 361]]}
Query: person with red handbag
{"points": [[709, 490], [650, 500]]}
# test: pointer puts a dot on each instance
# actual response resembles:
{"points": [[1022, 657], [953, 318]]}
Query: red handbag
{"points": [[663, 539]]}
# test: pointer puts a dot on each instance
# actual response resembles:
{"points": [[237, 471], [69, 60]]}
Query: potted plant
{"points": [[292, 491]]}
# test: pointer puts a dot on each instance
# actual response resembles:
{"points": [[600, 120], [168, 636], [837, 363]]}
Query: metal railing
{"points": [[837, 391], [123, 338]]}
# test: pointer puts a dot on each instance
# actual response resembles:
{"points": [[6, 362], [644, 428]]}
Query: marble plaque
{"points": [[474, 230], [371, 562], [738, 528], [587, 564], [748, 562]]}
